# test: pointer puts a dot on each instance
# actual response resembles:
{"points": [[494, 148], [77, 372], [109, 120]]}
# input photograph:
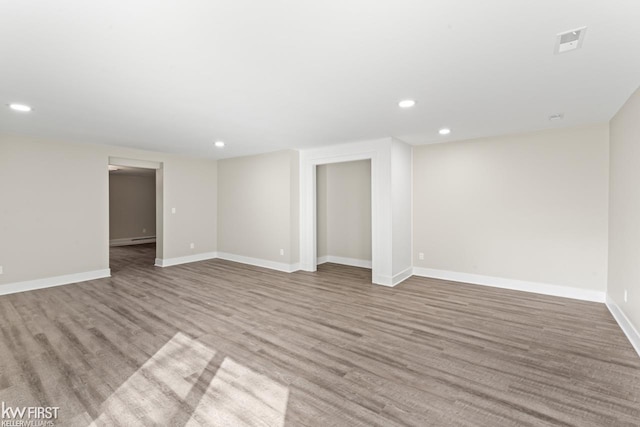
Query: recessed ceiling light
{"points": [[406, 103], [20, 107], [444, 131], [556, 117], [219, 144]]}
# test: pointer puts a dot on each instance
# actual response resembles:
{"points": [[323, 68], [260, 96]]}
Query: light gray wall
{"points": [[132, 206], [294, 206], [344, 210], [54, 216], [190, 185], [258, 206], [531, 207], [624, 216]]}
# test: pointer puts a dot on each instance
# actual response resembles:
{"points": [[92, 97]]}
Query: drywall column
{"points": [[382, 222], [401, 209]]}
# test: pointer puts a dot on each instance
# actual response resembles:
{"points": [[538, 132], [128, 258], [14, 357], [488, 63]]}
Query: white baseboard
{"points": [[353, 262], [30, 285], [308, 267], [625, 324], [273, 265], [518, 285], [132, 241], [402, 276], [168, 262], [394, 280], [378, 279]]}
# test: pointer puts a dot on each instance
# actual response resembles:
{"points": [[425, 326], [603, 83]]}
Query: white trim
{"points": [[168, 262], [134, 163], [132, 241], [380, 279], [353, 262], [402, 276], [30, 285], [379, 152], [395, 280], [273, 265], [518, 285], [625, 324]]}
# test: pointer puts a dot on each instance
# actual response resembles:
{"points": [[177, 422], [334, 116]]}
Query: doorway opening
{"points": [[135, 214], [343, 213]]}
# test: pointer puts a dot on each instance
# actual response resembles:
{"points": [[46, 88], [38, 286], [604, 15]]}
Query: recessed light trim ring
{"points": [[23, 108], [407, 103]]}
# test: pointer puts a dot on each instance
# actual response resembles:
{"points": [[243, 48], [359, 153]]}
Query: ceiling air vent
{"points": [[570, 40]]}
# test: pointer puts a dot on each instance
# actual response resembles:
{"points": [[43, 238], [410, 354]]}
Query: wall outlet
{"points": [[173, 210], [421, 256], [144, 230], [1, 269], [192, 246], [281, 251], [626, 294]]}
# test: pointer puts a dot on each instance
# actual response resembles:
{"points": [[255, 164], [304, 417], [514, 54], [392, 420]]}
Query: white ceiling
{"points": [[264, 75]]}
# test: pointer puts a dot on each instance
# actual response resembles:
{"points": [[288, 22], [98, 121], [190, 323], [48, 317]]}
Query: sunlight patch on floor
{"points": [[150, 393], [238, 396], [184, 383]]}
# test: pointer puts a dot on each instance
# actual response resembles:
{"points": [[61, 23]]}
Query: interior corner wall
{"points": [[530, 207], [132, 206], [54, 217], [258, 208], [344, 211], [624, 216]]}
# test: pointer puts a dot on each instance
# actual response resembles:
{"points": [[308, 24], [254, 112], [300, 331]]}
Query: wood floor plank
{"points": [[221, 343]]}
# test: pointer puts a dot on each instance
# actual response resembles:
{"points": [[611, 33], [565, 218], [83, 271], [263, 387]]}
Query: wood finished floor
{"points": [[221, 343]]}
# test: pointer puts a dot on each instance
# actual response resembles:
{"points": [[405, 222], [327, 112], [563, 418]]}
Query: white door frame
{"points": [[379, 152], [158, 166]]}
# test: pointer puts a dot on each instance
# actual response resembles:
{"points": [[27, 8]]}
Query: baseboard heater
{"points": [[132, 241]]}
